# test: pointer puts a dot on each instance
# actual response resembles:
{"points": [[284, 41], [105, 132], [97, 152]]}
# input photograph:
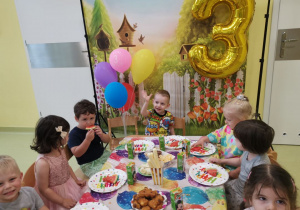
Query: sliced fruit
{"points": [[111, 179]]}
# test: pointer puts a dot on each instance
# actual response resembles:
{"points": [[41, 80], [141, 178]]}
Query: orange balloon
{"points": [[232, 33]]}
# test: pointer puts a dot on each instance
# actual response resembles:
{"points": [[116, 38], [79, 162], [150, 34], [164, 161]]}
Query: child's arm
{"points": [[201, 141], [145, 106], [172, 131], [103, 136], [81, 183], [42, 172], [78, 151], [230, 161]]}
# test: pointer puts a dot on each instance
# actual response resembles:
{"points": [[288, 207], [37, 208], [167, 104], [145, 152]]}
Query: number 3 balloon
{"points": [[232, 33]]}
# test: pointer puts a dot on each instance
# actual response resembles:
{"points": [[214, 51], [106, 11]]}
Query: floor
{"points": [[17, 144]]}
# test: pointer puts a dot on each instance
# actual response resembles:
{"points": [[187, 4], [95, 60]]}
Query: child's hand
{"points": [[68, 203], [98, 130], [145, 96], [215, 160], [90, 135], [80, 183], [200, 142]]}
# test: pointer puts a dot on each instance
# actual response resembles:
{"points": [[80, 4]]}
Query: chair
{"points": [[118, 122], [180, 124], [29, 176]]}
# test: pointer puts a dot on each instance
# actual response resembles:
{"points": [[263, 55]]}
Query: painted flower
{"points": [[241, 83], [202, 79], [225, 86], [196, 109], [204, 106], [199, 89], [213, 117], [196, 83], [192, 115], [212, 109], [200, 119], [220, 110], [202, 96], [192, 80], [207, 95], [206, 115], [217, 98]]}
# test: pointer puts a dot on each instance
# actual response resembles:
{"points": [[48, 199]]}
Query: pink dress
{"points": [[60, 181]]}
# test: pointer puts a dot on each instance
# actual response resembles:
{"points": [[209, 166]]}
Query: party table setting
{"points": [[155, 177]]}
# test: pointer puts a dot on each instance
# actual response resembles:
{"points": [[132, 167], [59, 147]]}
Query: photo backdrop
{"points": [[169, 30]]}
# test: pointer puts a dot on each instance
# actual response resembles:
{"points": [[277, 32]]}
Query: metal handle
{"points": [[283, 41]]}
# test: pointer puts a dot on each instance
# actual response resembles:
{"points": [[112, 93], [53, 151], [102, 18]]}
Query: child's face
{"points": [[231, 118], [10, 185], [239, 145], [268, 199], [85, 120], [160, 104], [180, 206]]}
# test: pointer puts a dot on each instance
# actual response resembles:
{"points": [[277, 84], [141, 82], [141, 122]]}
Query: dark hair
{"points": [[255, 135], [84, 107], [163, 93], [46, 137], [272, 176]]}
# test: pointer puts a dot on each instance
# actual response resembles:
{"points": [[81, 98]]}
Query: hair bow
{"points": [[59, 129], [241, 97]]}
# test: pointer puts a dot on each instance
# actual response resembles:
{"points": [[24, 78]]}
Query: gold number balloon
{"points": [[232, 33]]}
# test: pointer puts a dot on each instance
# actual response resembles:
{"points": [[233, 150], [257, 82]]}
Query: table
{"points": [[196, 196]]}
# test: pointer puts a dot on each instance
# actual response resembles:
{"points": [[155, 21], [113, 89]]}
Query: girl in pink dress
{"points": [[56, 182]]}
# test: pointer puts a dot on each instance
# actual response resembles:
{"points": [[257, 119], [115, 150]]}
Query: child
{"points": [[160, 121], [12, 195], [86, 145], [56, 182], [234, 111], [270, 187], [254, 138]]}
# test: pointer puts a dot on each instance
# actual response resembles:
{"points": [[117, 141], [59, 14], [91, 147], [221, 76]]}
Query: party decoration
{"points": [[105, 74], [130, 99], [120, 60], [116, 94], [143, 63], [233, 34]]}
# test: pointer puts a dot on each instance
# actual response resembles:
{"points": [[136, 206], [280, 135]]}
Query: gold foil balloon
{"points": [[143, 63], [232, 33]]}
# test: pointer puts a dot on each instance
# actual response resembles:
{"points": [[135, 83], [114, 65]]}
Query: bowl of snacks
{"points": [[149, 199], [165, 157]]}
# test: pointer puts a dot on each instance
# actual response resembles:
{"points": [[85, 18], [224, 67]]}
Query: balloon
{"points": [[233, 34], [131, 97], [120, 60], [143, 63], [105, 74], [116, 94]]}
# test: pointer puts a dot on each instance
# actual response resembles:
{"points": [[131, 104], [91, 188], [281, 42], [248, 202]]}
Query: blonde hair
{"points": [[7, 162], [241, 106]]}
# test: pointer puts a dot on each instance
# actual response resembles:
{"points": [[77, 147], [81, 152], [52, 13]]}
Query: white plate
{"points": [[164, 203], [170, 139], [199, 174], [91, 206], [142, 146], [207, 150], [96, 184]]}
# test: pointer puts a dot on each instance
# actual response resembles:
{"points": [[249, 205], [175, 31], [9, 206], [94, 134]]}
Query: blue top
{"points": [[94, 151]]}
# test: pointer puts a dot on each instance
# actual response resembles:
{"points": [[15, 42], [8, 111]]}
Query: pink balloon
{"points": [[120, 60]]}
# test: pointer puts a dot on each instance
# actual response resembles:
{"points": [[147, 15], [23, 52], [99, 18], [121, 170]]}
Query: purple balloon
{"points": [[105, 74]]}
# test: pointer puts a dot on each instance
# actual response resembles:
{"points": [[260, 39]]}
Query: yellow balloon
{"points": [[142, 66], [232, 33]]}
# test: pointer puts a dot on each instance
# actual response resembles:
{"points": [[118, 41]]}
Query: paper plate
{"points": [[174, 142], [96, 181], [91, 206], [142, 146], [164, 203], [207, 150], [198, 172]]}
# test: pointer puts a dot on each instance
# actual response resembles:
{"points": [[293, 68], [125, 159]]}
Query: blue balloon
{"points": [[116, 94], [105, 74]]}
